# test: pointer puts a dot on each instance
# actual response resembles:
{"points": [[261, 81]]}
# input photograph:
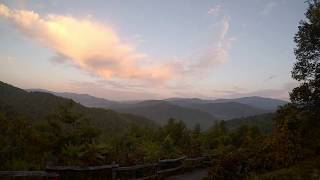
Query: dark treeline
{"points": [[68, 138]]}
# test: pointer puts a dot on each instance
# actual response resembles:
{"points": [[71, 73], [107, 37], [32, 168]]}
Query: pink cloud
{"points": [[91, 46], [98, 49]]}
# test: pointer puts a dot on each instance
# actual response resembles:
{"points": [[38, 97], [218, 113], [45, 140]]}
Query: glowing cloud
{"points": [[91, 46], [96, 48]]}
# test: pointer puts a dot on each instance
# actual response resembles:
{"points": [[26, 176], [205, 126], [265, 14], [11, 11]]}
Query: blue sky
{"points": [[142, 49]]}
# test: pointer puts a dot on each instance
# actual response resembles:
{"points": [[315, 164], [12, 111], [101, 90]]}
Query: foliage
{"points": [[288, 152], [69, 138], [19, 145], [308, 169], [262, 121]]}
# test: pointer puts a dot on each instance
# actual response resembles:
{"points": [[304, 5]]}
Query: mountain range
{"points": [[36, 106], [191, 111]]}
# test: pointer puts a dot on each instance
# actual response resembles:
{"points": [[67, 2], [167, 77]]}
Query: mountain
{"points": [[268, 104], [87, 100], [263, 103], [189, 110], [84, 99], [183, 101], [221, 109], [161, 111], [231, 108], [256, 101], [37, 105], [262, 121], [228, 110], [157, 110]]}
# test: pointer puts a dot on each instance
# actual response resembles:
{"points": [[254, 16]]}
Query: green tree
{"points": [[178, 133], [169, 149], [67, 135], [196, 142], [245, 135], [287, 136], [20, 148], [306, 97], [307, 68]]}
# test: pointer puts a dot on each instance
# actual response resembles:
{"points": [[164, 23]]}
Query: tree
{"points": [[307, 68], [217, 140], [169, 149], [20, 148], [287, 136], [230, 166], [195, 149], [68, 135], [245, 135], [178, 133]]}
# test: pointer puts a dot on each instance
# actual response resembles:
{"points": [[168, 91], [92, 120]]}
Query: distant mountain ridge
{"points": [[157, 110], [256, 101], [228, 110], [84, 99], [269, 104], [161, 111], [190, 110]]}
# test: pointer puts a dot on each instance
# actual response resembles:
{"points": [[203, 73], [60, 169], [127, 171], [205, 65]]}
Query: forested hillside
{"points": [[263, 121], [228, 110], [36, 106]]}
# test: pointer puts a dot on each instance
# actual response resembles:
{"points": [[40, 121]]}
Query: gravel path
{"points": [[194, 175]]}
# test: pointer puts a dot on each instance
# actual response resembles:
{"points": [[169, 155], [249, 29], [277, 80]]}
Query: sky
{"points": [[147, 49]]}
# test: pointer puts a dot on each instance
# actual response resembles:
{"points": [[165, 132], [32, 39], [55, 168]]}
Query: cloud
{"points": [[91, 46], [96, 48], [268, 8], [217, 54], [215, 10]]}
